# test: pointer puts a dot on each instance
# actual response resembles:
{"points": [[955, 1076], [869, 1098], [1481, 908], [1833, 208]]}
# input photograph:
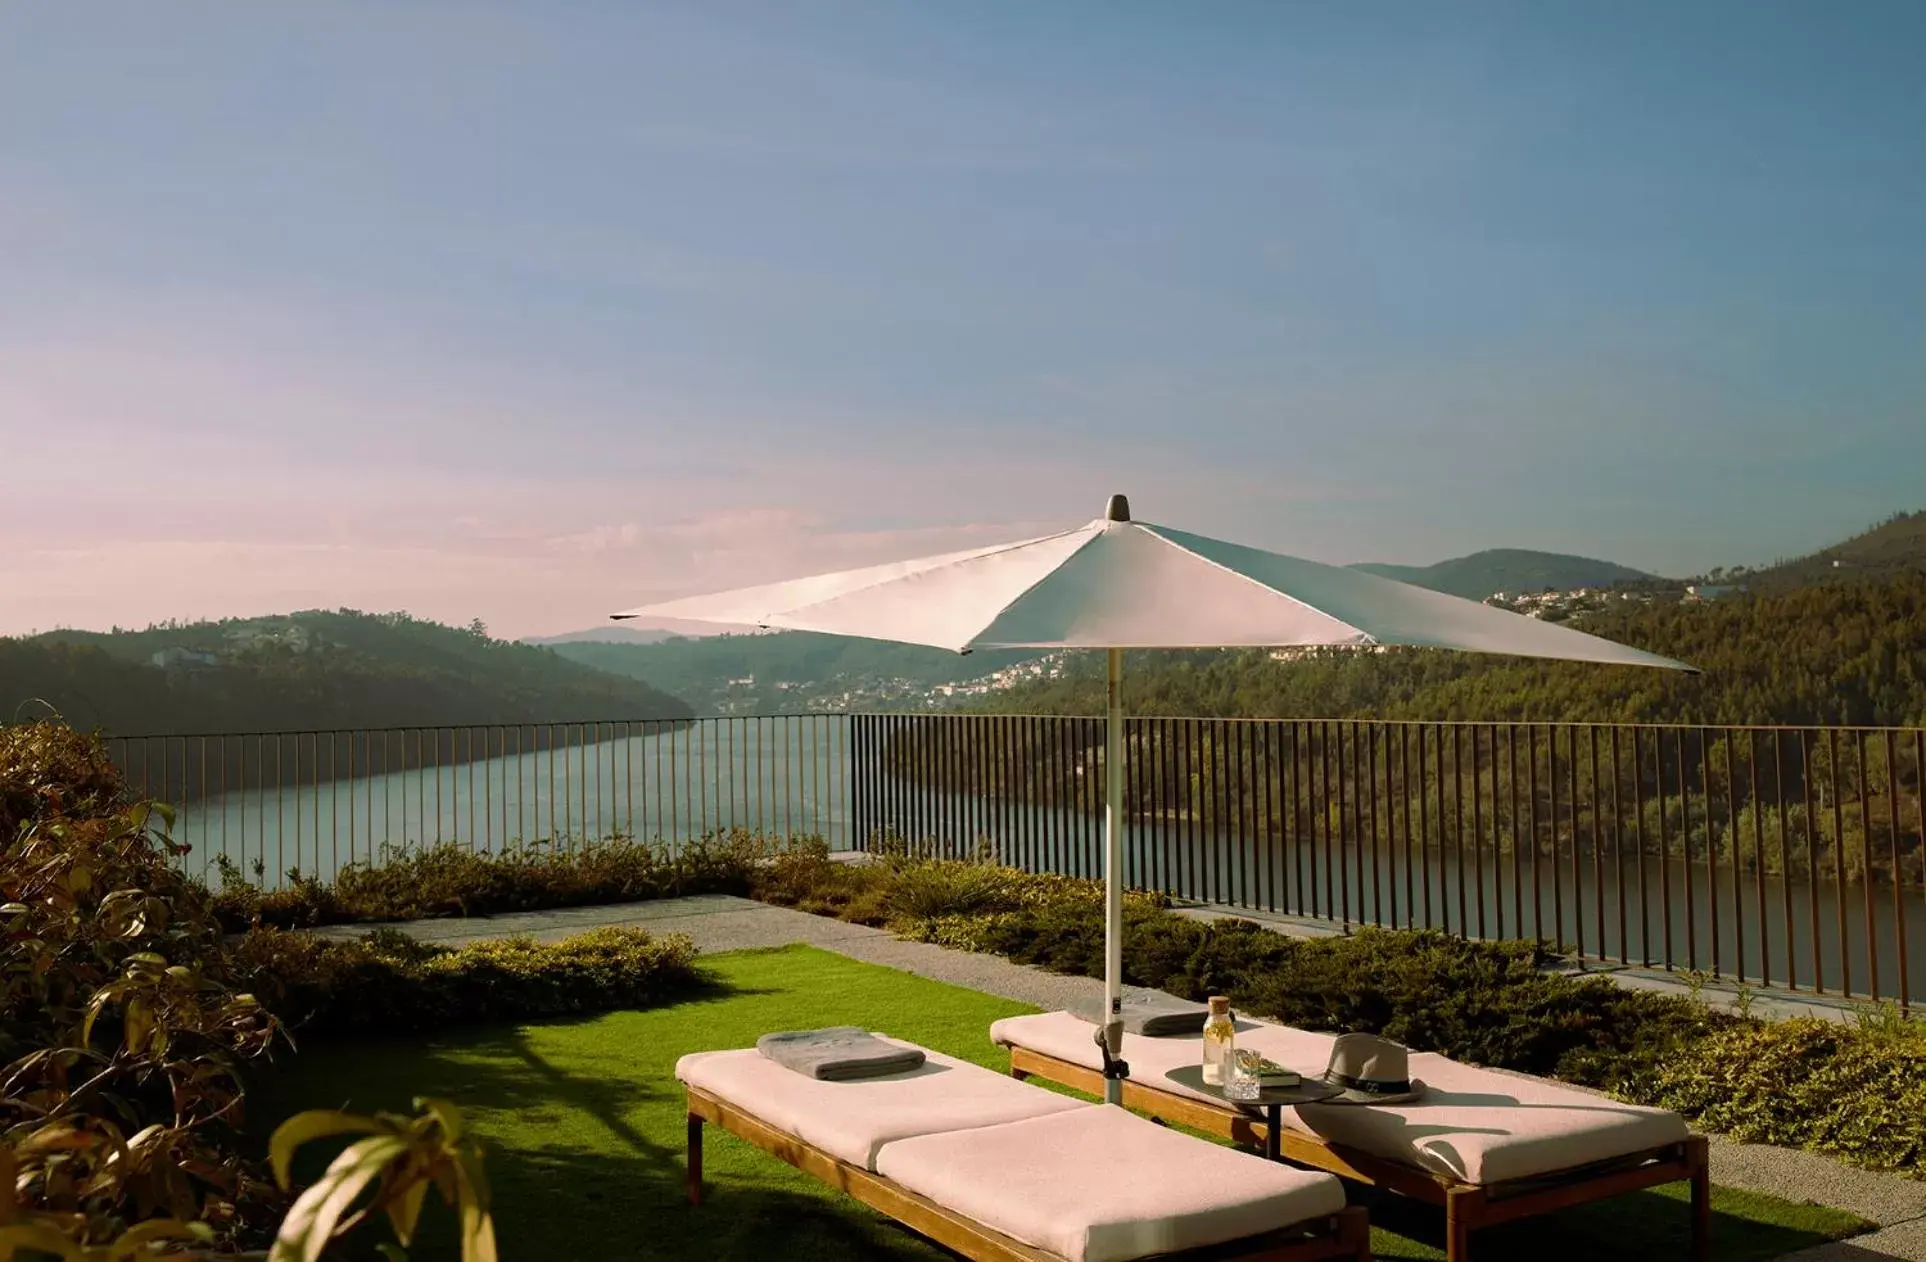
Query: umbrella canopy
{"points": [[1122, 584], [1119, 584]]}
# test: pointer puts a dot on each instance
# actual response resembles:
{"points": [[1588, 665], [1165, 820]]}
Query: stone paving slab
{"points": [[719, 922]]}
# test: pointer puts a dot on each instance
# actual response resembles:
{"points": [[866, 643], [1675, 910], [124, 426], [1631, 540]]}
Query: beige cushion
{"points": [[852, 1120], [1476, 1125], [1103, 1185]]}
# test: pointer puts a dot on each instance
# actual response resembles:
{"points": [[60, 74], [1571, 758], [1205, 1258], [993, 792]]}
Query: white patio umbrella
{"points": [[1120, 584]]}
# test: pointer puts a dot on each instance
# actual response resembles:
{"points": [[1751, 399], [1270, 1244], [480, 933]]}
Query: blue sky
{"points": [[531, 312]]}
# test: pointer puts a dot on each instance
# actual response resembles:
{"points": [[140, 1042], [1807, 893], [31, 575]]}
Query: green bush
{"points": [[387, 981], [124, 1036], [451, 880], [1857, 1092]]}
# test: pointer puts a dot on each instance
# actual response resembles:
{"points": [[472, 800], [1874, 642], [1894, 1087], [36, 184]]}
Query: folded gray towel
{"points": [[1151, 1014], [840, 1053]]}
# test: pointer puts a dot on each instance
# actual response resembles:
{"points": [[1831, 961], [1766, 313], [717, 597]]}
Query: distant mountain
{"points": [[1895, 546], [1509, 570], [307, 671]]}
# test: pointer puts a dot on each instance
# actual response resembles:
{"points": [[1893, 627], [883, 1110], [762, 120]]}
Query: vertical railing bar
{"points": [[1812, 861], [1919, 813], [1685, 861], [1638, 842], [1370, 761], [1310, 786], [1458, 825], [1478, 816], [1387, 845], [1758, 865], [1618, 840], [1866, 866], [1511, 831], [1571, 808], [1249, 858], [1598, 812], [1531, 806], [1839, 860], [1424, 859], [1334, 795], [1899, 869], [1785, 856]]}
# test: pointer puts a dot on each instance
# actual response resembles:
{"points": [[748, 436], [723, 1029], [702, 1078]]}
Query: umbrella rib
{"points": [[1026, 543], [1361, 638]]}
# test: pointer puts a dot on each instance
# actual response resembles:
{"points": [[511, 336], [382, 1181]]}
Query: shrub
{"points": [[1856, 1092], [911, 894], [389, 981], [124, 1035], [451, 880]]}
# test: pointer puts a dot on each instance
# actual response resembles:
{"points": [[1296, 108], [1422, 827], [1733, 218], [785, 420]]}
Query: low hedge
{"points": [[450, 879], [387, 981], [1857, 1092]]}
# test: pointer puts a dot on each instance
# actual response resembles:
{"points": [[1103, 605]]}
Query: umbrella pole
{"points": [[1113, 888]]}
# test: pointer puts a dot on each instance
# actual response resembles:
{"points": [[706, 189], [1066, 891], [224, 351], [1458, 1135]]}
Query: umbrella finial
{"points": [[1119, 509]]}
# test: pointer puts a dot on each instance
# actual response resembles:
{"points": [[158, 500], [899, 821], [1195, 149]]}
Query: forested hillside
{"points": [[307, 671], [1847, 652], [1895, 546]]}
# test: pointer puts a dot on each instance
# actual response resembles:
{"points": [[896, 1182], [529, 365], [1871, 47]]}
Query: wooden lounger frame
{"points": [[1345, 1236], [1467, 1206]]}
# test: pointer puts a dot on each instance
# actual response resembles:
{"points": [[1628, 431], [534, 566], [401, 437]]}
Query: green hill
{"points": [[1895, 546], [1509, 570], [308, 671], [1846, 652]]}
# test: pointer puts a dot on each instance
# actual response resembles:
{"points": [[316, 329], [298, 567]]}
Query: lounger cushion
{"points": [[1103, 1185], [1479, 1126], [853, 1120]]}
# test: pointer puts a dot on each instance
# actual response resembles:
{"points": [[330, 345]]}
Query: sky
{"points": [[533, 312]]}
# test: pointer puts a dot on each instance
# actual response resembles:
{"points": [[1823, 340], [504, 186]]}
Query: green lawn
{"points": [[585, 1127]]}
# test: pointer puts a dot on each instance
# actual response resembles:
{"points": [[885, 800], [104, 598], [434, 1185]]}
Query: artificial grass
{"points": [[585, 1127]]}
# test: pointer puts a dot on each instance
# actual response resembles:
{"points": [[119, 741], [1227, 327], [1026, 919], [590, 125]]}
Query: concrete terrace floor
{"points": [[719, 922]]}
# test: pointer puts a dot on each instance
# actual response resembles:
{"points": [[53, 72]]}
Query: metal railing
{"points": [[1776, 856]]}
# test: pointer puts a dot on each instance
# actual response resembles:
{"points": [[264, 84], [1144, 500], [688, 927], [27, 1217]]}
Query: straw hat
{"points": [[1370, 1070]]}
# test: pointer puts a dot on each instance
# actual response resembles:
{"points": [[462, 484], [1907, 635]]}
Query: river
{"points": [[789, 776]]}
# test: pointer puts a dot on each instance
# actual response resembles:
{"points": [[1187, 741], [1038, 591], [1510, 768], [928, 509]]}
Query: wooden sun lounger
{"points": [[1467, 1206], [1344, 1235]]}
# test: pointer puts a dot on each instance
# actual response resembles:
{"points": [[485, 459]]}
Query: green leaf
{"points": [[135, 1239], [310, 1224], [311, 1125], [447, 1114], [405, 1210]]}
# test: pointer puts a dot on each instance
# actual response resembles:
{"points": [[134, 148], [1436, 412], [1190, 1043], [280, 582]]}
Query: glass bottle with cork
{"points": [[1220, 1040]]}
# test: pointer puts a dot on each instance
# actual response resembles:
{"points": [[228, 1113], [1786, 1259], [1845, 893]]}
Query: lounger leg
{"points": [[1461, 1215], [1697, 1152], [1354, 1232], [695, 1159]]}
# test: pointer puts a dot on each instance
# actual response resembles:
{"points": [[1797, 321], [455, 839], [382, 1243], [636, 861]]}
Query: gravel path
{"points": [[719, 922]]}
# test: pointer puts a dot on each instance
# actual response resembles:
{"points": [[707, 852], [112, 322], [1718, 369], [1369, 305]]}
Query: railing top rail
{"points": [[1561, 723], [634, 721]]}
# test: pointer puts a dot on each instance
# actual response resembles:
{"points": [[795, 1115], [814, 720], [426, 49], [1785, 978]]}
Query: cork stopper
{"points": [[1220, 1005]]}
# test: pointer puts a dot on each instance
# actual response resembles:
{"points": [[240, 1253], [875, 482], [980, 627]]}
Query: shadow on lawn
{"points": [[1648, 1225]]}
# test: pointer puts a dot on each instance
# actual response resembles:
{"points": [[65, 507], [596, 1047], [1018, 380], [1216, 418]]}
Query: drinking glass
{"points": [[1240, 1076]]}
